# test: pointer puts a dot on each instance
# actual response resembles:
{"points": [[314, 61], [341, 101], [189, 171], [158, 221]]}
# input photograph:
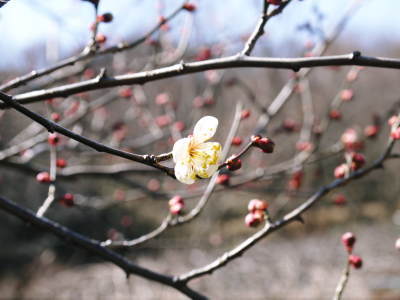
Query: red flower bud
{"points": [[175, 200], [67, 200], [223, 179], [125, 93], [395, 134], [355, 261], [43, 177], [371, 131], [101, 38], [245, 114], [176, 209], [237, 141], [61, 163], [341, 171], [357, 161], [254, 219], [105, 18], [265, 144], [348, 240], [339, 199], [55, 117], [179, 126], [189, 7], [256, 204], [335, 114], [53, 139], [233, 163], [346, 95]]}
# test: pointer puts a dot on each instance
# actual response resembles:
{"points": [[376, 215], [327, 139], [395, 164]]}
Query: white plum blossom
{"points": [[193, 156]]}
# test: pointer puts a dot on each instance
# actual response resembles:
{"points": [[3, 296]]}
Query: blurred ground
{"points": [[304, 267]]}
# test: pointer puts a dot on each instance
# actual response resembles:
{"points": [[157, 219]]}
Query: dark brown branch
{"points": [[259, 30], [149, 160], [85, 54], [94, 247], [295, 64]]}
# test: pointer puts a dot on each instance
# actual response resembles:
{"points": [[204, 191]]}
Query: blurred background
{"points": [[123, 200]]}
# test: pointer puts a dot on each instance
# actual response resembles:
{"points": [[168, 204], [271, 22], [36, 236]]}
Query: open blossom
{"points": [[193, 156]]}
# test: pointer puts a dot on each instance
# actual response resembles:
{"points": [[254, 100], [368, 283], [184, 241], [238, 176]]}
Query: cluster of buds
{"points": [[176, 205], [257, 211], [264, 143], [354, 160], [348, 240], [394, 123]]}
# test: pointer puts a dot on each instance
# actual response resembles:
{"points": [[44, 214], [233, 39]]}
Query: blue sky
{"points": [[64, 23]]}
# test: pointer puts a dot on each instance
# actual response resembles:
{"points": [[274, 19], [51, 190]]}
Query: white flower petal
{"points": [[205, 129], [180, 151], [205, 159], [184, 172]]}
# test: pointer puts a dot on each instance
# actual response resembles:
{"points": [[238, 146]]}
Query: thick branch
{"points": [[294, 64], [94, 247]]}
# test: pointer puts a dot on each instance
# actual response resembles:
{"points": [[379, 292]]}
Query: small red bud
{"points": [[346, 95], [175, 200], [355, 261], [289, 125], [163, 120], [237, 141], [341, 171], [179, 126], [339, 199], [348, 240], [203, 54], [395, 134], [233, 163], [43, 177], [371, 131], [67, 200], [335, 114], [256, 204], [176, 209], [125, 93], [61, 163], [101, 38], [53, 139], [245, 114], [265, 144], [223, 179], [189, 7], [55, 117], [357, 161], [105, 18], [254, 219]]}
